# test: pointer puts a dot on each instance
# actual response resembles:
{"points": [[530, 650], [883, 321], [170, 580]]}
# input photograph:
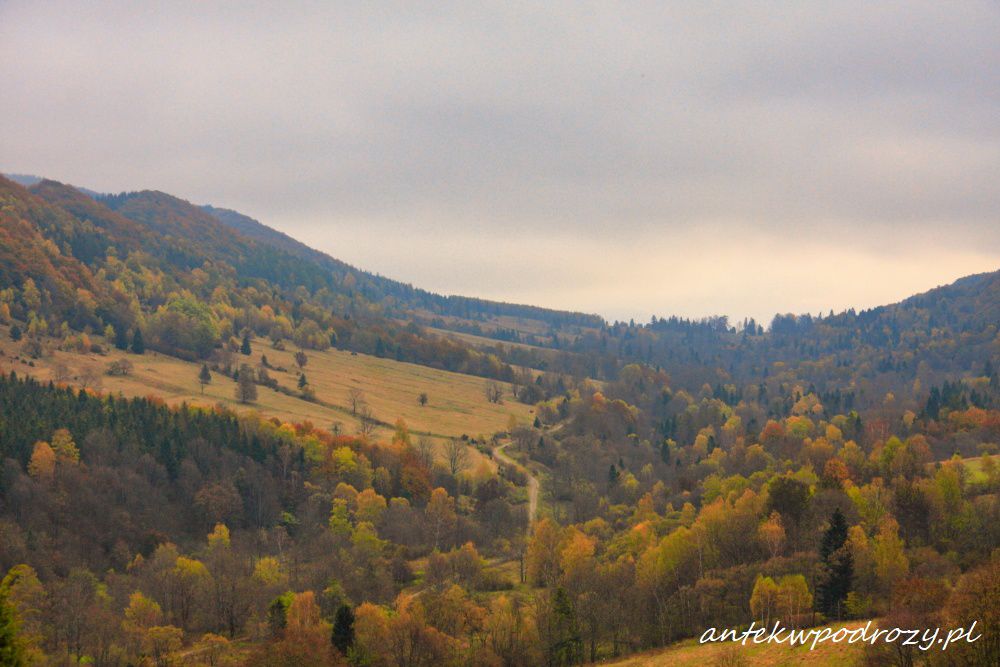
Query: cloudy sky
{"points": [[622, 158]]}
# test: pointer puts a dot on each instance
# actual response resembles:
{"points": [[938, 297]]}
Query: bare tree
{"points": [[89, 377], [425, 451], [60, 372], [120, 367], [494, 392], [524, 438], [224, 358], [246, 387], [366, 420], [355, 398], [456, 453]]}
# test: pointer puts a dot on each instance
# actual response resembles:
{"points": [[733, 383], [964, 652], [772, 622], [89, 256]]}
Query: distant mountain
{"points": [[27, 180]]}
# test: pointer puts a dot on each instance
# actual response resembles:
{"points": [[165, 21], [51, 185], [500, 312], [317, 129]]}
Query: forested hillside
{"points": [[153, 265], [693, 474]]}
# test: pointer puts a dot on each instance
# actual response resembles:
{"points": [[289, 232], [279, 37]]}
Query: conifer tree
{"points": [[342, 636], [837, 567], [121, 338], [138, 345], [204, 377], [566, 647]]}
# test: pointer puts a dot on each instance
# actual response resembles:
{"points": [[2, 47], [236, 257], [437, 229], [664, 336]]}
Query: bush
{"points": [[120, 367]]}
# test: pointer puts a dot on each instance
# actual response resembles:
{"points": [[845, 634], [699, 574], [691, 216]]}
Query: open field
{"points": [[690, 653], [975, 467], [482, 342], [456, 404]]}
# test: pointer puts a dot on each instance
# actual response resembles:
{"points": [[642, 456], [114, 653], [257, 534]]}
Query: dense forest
{"points": [[821, 468]]}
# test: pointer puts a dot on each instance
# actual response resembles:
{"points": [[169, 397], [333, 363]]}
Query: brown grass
{"points": [[456, 405]]}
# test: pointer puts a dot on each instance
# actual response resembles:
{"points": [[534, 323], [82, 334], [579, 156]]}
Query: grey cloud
{"points": [[871, 126]]}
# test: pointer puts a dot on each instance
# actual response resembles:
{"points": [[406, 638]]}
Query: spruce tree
{"points": [[138, 345], [245, 347], [204, 377], [567, 646], [835, 535], [837, 567], [121, 337], [342, 636]]}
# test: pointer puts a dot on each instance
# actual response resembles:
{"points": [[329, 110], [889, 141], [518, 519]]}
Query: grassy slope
{"points": [[692, 654], [482, 342], [456, 406], [975, 467]]}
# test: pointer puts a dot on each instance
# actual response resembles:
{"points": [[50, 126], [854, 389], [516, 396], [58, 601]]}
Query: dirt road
{"points": [[533, 484]]}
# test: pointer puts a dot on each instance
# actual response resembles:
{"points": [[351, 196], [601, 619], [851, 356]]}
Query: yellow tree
{"points": [[371, 634], [864, 562], [576, 559], [891, 563], [440, 515], [304, 616], [142, 623], [467, 563], [764, 599], [370, 506], [141, 613], [64, 447], [306, 638], [42, 465], [27, 595], [411, 641], [212, 648], [511, 633], [268, 572], [794, 598], [772, 534], [189, 578], [219, 537], [543, 553]]}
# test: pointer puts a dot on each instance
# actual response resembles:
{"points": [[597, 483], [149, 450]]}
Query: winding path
{"points": [[533, 484]]}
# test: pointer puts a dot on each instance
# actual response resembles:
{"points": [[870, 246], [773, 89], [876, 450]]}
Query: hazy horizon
{"points": [[685, 159]]}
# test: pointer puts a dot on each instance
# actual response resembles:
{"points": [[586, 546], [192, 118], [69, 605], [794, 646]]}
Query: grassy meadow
{"points": [[456, 403], [974, 466]]}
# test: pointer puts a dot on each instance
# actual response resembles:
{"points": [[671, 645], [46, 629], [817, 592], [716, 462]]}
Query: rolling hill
{"points": [[685, 474]]}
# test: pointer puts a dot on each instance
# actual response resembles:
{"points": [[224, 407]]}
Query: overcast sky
{"points": [[621, 158]]}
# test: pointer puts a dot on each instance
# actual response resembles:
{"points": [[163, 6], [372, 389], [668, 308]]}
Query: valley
{"points": [[243, 451]]}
